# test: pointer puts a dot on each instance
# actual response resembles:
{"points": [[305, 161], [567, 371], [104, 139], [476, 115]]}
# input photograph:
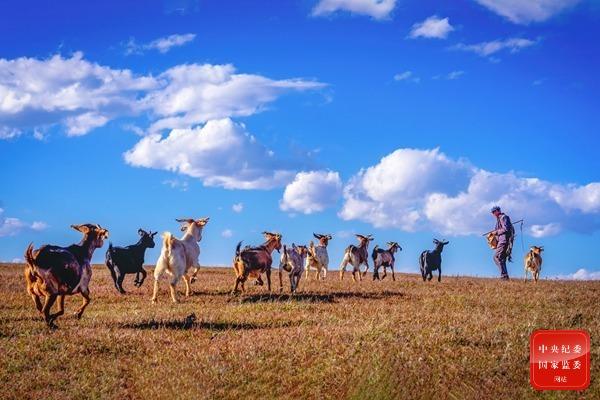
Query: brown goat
{"points": [[55, 272], [253, 261], [533, 262], [356, 256]]}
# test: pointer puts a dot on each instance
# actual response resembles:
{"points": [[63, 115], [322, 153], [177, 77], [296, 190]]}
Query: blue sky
{"points": [[402, 119]]}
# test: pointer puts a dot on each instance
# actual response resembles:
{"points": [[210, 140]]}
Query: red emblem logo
{"points": [[559, 360]]}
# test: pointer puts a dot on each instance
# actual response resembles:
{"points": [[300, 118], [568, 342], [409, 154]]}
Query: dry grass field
{"points": [[463, 338]]}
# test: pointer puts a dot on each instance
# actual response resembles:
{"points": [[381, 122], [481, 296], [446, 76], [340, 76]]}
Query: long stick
{"points": [[516, 222]]}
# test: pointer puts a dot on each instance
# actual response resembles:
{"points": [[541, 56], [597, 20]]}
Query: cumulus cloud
{"points": [[194, 94], [220, 153], [163, 44], [81, 95], [524, 12], [377, 9], [70, 91], [238, 207], [406, 76], [581, 274], [485, 49], [413, 189], [312, 192], [432, 27], [10, 226]]}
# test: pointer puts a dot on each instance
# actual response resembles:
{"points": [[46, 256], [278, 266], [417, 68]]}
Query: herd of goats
{"points": [[53, 272]]}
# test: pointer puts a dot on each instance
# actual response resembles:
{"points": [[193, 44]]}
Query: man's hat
{"points": [[494, 209]]}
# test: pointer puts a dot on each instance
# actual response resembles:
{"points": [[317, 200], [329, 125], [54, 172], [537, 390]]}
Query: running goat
{"points": [[253, 261], [356, 256], [384, 258], [55, 272], [317, 257], [292, 261], [431, 260], [180, 255], [129, 260]]}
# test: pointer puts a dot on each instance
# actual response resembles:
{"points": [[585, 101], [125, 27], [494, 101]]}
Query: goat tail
{"points": [[237, 249], [374, 253], [29, 257], [167, 242]]}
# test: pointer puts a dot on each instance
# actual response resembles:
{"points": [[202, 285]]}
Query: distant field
{"points": [[461, 338]]}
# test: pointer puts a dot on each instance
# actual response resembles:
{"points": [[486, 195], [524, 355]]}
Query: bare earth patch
{"points": [[463, 338]]}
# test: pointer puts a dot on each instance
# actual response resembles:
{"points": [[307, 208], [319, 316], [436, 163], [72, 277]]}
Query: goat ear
{"points": [[329, 237], [81, 228], [141, 232], [316, 236], [183, 228]]}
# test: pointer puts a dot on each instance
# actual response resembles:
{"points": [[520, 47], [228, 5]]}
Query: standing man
{"points": [[504, 232]]}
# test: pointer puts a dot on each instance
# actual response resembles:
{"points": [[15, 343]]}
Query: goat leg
{"points": [[48, 302], [61, 308], [269, 279], [86, 301]]}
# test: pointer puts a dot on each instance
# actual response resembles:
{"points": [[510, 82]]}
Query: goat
{"points": [[253, 261], [292, 261], [430, 260], [384, 258], [55, 272], [179, 255], [129, 260], [356, 256], [533, 262], [317, 257]]}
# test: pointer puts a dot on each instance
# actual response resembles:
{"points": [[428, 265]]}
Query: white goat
{"points": [[318, 258], [292, 261], [179, 255]]}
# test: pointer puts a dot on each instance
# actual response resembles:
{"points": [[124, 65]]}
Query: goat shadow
{"points": [[316, 297], [219, 326]]}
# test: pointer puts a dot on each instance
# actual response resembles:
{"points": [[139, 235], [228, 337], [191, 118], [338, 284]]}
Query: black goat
{"points": [[129, 260], [431, 260]]}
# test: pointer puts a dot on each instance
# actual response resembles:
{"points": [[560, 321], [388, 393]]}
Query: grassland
{"points": [[463, 338]]}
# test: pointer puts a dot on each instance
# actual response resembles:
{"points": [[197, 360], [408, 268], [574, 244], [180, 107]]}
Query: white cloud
{"points": [[377, 9], [455, 75], [82, 124], [194, 94], [406, 76], [550, 229], [177, 184], [220, 153], [163, 44], [82, 96], [526, 11], [581, 274], [486, 49], [227, 233], [312, 192], [70, 91], [414, 190], [238, 207], [432, 27], [10, 226]]}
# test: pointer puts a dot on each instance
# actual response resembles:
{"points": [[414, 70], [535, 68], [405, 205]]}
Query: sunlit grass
{"points": [[461, 338]]}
